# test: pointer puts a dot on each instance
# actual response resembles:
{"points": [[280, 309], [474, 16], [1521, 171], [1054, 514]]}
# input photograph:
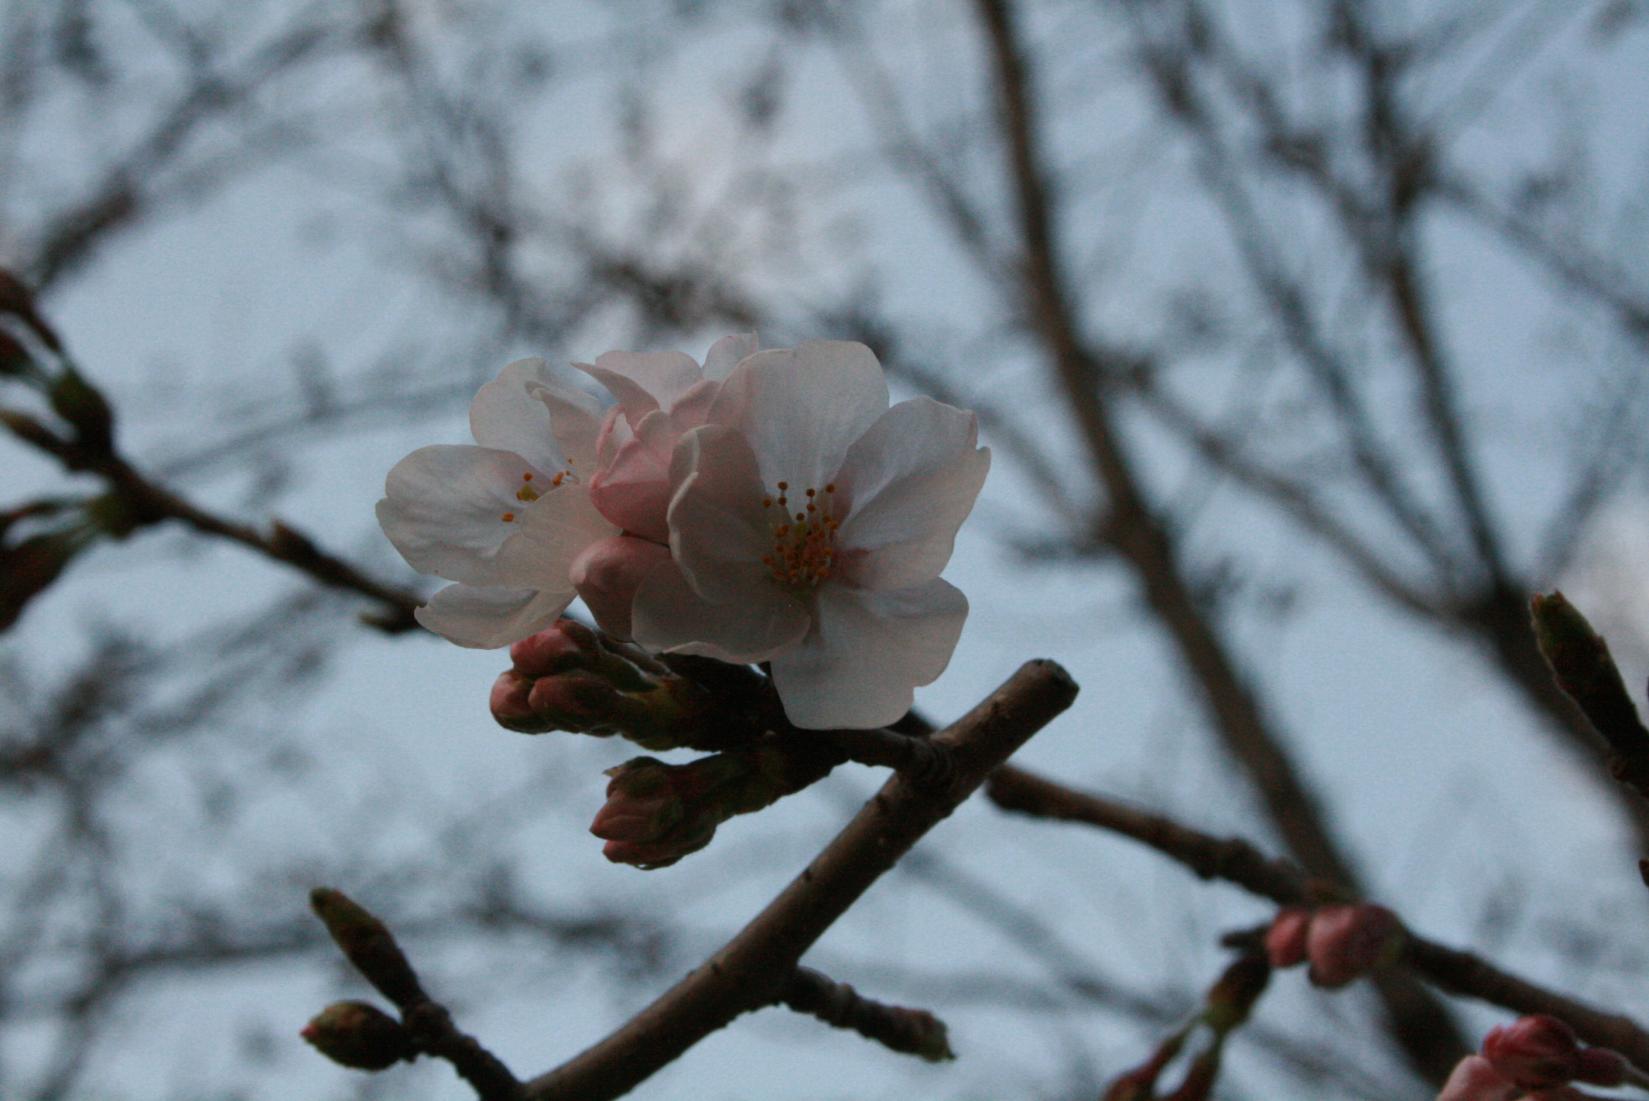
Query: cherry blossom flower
{"points": [[660, 396], [808, 523], [504, 519]]}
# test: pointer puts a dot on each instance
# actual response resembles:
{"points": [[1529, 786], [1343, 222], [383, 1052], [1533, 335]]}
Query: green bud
{"points": [[359, 1035], [368, 944], [84, 407]]}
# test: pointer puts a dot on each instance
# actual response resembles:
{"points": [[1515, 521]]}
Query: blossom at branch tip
{"points": [[808, 525], [506, 518], [1534, 1052]]}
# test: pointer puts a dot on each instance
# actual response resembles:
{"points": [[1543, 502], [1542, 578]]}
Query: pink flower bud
{"points": [[1534, 1052], [1345, 942], [608, 574], [1285, 940], [573, 701], [642, 802], [563, 645], [1601, 1067], [1475, 1079], [510, 703]]}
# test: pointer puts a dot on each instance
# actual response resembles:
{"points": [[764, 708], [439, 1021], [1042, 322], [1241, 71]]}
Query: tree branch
{"points": [[1237, 861], [753, 968]]}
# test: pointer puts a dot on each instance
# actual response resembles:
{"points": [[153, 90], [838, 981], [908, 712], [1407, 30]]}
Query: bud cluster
{"points": [[1532, 1059], [1341, 942], [568, 677], [657, 813]]}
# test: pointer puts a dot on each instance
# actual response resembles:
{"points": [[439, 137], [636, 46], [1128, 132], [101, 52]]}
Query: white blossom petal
{"points": [[548, 534], [718, 527], [725, 354], [801, 408], [486, 618], [443, 508], [867, 651], [670, 616], [912, 479], [505, 417], [644, 381], [575, 421]]}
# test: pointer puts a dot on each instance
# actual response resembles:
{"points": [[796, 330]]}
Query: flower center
{"points": [[528, 493], [804, 538]]}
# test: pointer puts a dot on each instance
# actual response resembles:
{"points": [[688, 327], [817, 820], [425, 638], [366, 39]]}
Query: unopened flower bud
{"points": [[1232, 997], [1286, 939], [565, 644], [511, 706], [1475, 1079], [575, 701], [17, 301], [569, 677], [655, 813], [359, 1035], [1347, 941], [1534, 1052], [14, 358], [28, 568], [368, 944], [81, 404], [1601, 1067], [608, 574]]}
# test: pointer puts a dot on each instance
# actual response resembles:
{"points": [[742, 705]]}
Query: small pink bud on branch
{"points": [[1285, 940], [359, 1035], [1347, 941], [568, 677], [657, 813], [1534, 1052]]}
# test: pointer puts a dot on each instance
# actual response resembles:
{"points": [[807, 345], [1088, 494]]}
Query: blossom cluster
{"points": [[765, 506]]}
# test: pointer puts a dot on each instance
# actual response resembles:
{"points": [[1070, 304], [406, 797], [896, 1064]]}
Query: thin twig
{"points": [[371, 947], [910, 1031], [1246, 865]]}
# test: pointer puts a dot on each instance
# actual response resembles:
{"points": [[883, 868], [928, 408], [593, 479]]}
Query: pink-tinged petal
{"points": [[670, 616], [803, 407], [692, 408], [644, 381], [912, 479], [607, 575], [486, 618], [549, 534], [443, 508], [867, 652], [718, 527], [1474, 1079], [725, 354], [615, 432], [506, 416], [632, 488]]}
